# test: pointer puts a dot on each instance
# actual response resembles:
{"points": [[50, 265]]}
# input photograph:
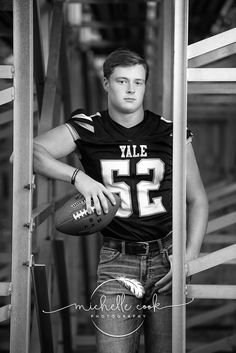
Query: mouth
{"points": [[129, 99]]}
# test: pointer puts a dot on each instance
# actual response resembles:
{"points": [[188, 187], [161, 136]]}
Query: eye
{"points": [[139, 83], [121, 81]]}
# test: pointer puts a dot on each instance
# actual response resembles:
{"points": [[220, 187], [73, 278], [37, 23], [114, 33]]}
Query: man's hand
{"points": [[164, 285], [93, 191]]}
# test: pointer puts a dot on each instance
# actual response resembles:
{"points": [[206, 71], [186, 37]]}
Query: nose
{"points": [[130, 88]]}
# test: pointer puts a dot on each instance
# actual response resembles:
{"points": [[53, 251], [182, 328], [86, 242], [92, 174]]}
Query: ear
{"points": [[105, 84]]}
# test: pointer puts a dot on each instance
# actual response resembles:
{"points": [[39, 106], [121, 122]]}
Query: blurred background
{"points": [[91, 30]]}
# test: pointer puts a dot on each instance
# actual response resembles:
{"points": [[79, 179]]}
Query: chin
{"points": [[128, 110]]}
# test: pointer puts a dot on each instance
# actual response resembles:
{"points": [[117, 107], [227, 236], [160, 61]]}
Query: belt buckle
{"points": [[146, 247]]}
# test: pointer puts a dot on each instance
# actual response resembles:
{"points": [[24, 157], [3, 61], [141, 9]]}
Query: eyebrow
{"points": [[126, 78]]}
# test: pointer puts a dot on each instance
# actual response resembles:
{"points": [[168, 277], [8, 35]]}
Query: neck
{"points": [[127, 120]]}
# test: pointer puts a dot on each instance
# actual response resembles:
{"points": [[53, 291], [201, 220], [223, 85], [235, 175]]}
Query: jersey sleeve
{"points": [[189, 136], [167, 126], [81, 125]]}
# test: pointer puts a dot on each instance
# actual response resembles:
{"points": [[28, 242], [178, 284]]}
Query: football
{"points": [[73, 218]]}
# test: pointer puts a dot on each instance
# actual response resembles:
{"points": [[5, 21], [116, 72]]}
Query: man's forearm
{"points": [[47, 165], [197, 217]]}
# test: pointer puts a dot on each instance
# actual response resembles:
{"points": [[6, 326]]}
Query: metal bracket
{"points": [[13, 93], [31, 186], [29, 263], [30, 225], [10, 288]]}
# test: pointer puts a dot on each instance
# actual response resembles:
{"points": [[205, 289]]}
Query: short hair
{"points": [[123, 57]]}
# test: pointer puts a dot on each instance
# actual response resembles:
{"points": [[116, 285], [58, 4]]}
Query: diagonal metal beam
{"points": [[215, 42], [211, 315], [6, 95], [221, 222], [213, 56], [211, 260], [5, 312]]}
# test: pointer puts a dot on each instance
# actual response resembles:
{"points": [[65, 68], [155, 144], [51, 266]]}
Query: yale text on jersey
{"points": [[131, 151]]}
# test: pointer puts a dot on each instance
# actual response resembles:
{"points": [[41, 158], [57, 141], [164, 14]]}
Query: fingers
{"points": [[97, 200], [166, 289], [110, 196], [164, 283], [95, 193]]}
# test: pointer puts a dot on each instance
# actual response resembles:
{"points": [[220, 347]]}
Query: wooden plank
{"points": [[6, 5], [223, 203], [165, 56], [212, 43], [42, 304], [211, 88], [6, 95], [212, 56], [60, 265], [6, 71], [39, 67], [220, 239], [5, 272], [223, 345], [216, 186], [5, 257], [222, 191], [211, 291], [211, 75], [49, 97], [65, 77], [213, 100], [5, 288], [210, 315], [5, 312], [6, 117], [221, 222], [119, 24], [22, 175]]}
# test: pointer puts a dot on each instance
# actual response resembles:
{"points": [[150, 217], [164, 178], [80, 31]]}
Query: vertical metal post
{"points": [[22, 175], [179, 173]]}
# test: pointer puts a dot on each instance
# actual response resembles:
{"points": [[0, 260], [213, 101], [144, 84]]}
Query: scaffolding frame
{"points": [[26, 219]]}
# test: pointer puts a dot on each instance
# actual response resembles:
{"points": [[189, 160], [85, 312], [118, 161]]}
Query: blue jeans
{"points": [[121, 316]]}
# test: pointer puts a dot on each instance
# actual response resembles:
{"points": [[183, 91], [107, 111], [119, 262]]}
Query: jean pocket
{"points": [[165, 256], [108, 254]]}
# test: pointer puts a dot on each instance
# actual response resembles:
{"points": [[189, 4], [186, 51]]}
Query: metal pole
{"points": [[179, 173], [22, 175]]}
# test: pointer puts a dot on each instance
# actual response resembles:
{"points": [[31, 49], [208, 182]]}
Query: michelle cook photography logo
{"points": [[119, 309]]}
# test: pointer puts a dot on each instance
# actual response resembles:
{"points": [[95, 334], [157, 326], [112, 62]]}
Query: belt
{"points": [[140, 247]]}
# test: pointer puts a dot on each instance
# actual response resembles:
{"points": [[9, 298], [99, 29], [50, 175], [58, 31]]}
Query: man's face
{"points": [[126, 88]]}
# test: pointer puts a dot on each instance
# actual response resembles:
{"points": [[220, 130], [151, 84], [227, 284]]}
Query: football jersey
{"points": [[135, 163]]}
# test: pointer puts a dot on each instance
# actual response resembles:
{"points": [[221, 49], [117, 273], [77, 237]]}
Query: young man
{"points": [[128, 151]]}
